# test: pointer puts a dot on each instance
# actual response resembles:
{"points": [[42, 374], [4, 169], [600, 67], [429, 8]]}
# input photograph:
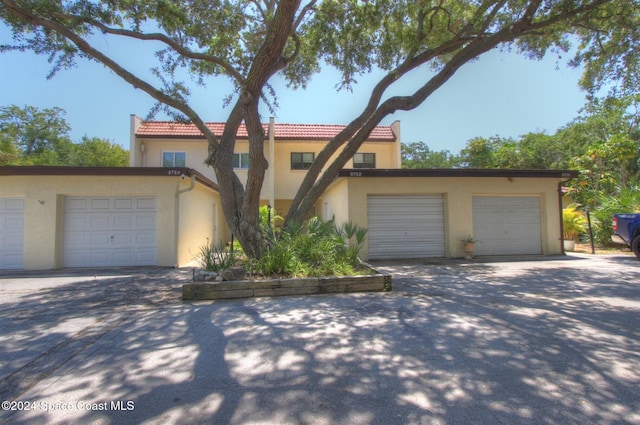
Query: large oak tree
{"points": [[249, 42]]}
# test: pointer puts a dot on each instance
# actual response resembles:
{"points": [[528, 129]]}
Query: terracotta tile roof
{"points": [[169, 129]]}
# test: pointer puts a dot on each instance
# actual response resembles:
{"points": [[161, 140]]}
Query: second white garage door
{"points": [[110, 231], [507, 225], [405, 226]]}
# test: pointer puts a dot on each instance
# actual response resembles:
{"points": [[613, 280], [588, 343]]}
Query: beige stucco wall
{"points": [[286, 180], [201, 221], [44, 202], [335, 202], [196, 152], [458, 195]]}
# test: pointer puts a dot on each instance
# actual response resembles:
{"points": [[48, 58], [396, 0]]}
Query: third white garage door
{"points": [[405, 226], [507, 225], [109, 231]]}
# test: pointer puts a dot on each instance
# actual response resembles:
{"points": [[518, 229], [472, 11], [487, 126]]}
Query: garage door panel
{"points": [[146, 204], [122, 221], [508, 225], [13, 223], [123, 240], [12, 261], [75, 240], [145, 239], [146, 256], [410, 226], [100, 204], [13, 204], [110, 231], [76, 222], [75, 204], [99, 240], [146, 222], [11, 233], [95, 257], [123, 204], [99, 222]]}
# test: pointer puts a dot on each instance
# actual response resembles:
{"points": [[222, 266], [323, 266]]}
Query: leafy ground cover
{"points": [[316, 248]]}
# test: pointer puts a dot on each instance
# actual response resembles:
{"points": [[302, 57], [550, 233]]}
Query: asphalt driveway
{"points": [[501, 342]]}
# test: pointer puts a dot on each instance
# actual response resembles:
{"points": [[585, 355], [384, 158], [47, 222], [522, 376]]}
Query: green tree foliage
{"points": [[252, 41], [95, 152], [41, 136], [540, 151], [9, 152], [604, 145], [29, 136], [530, 151], [418, 155], [481, 152], [625, 200]]}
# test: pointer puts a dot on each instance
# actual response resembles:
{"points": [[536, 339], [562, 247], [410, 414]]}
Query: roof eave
{"points": [[243, 137], [457, 172], [44, 170]]}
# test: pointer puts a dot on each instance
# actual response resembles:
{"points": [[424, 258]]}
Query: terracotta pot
{"points": [[468, 250]]}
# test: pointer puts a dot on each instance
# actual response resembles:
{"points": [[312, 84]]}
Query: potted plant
{"points": [[574, 224], [469, 244]]}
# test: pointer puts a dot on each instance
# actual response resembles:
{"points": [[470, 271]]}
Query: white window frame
{"points": [[240, 160], [173, 159], [305, 164], [361, 162]]}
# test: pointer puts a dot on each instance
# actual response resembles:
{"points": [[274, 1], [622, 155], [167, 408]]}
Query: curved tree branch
{"points": [[180, 49], [315, 183], [126, 75]]}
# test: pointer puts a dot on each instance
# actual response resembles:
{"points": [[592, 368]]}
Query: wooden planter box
{"points": [[279, 287]]}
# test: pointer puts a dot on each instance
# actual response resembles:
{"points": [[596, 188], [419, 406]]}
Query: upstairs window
{"points": [[174, 159], [364, 160], [302, 160], [240, 160]]}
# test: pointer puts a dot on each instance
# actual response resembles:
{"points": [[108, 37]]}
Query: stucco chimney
{"points": [[395, 127], [134, 146]]}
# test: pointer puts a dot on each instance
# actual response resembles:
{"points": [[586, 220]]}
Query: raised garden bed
{"points": [[280, 287]]}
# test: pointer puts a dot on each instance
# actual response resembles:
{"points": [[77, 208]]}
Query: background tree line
{"points": [[30, 136], [603, 144]]}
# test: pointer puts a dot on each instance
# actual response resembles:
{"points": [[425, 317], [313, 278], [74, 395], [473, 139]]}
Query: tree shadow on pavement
{"points": [[47, 317], [453, 343]]}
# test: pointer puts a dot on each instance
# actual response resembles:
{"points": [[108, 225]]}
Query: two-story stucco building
{"points": [[289, 150], [166, 205]]}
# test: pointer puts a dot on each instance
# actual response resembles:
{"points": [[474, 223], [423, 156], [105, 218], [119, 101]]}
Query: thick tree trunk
{"points": [[241, 205]]}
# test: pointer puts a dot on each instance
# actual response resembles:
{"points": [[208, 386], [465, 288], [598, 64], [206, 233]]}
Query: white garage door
{"points": [[507, 225], [11, 233], [405, 226], [109, 231]]}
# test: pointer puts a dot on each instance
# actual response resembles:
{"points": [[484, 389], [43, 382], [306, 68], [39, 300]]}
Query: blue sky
{"points": [[500, 94]]}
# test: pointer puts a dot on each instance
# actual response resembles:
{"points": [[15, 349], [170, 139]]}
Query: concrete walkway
{"points": [[500, 342]]}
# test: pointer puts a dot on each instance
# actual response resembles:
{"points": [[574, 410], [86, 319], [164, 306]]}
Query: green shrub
{"points": [[354, 237], [216, 257], [626, 201], [574, 223], [316, 248]]}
